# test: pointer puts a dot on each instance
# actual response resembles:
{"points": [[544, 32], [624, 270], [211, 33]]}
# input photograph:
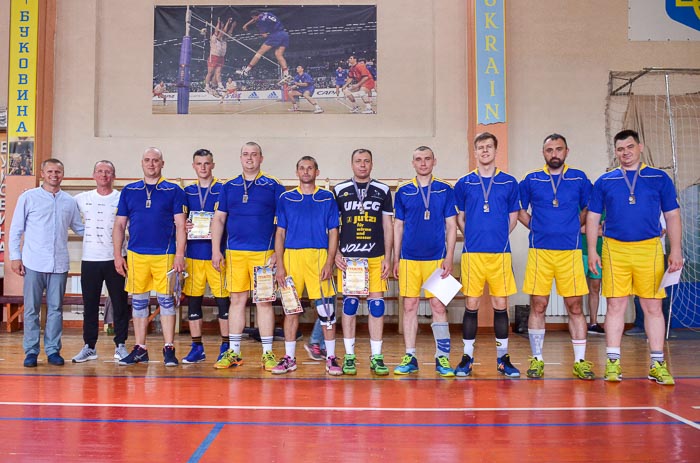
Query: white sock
{"points": [[330, 348], [349, 345], [376, 347], [579, 349], [290, 348], [469, 347]]}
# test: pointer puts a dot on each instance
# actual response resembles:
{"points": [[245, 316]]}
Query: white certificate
{"points": [[290, 298], [201, 225], [444, 289], [264, 284], [356, 277]]}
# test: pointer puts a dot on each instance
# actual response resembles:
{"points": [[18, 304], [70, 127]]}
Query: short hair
{"points": [[202, 152], [155, 150], [425, 148], [104, 161], [308, 158], [553, 137], [624, 134], [360, 150], [485, 136], [252, 143], [52, 161]]}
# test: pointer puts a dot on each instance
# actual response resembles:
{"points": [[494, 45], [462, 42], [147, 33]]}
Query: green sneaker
{"points": [[613, 371], [659, 373], [583, 369], [269, 361], [349, 367], [536, 369], [376, 365], [228, 360]]}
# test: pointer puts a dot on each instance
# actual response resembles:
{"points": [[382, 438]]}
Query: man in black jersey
{"points": [[366, 233]]}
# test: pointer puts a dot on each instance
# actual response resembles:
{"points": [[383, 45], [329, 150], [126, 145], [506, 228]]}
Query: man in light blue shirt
{"points": [[42, 216]]}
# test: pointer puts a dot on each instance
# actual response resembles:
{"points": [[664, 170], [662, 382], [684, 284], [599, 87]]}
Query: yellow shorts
{"points": [[412, 275], [545, 265], [304, 266], [633, 268], [200, 273], [147, 272], [239, 268], [496, 269], [376, 284]]}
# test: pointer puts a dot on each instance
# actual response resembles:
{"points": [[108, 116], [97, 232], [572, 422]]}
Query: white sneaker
{"points": [[120, 352], [368, 111], [242, 72], [318, 110], [85, 354], [355, 110]]}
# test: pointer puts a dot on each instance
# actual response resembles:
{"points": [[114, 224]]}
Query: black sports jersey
{"points": [[361, 230]]}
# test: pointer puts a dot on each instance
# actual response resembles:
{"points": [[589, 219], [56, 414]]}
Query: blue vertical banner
{"points": [[490, 55]]}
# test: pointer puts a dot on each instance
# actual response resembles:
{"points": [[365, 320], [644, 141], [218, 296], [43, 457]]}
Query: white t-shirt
{"points": [[98, 214]]}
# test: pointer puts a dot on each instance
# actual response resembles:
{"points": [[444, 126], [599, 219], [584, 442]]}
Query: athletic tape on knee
{"points": [[139, 305], [166, 303], [350, 305], [326, 310], [194, 308], [376, 307], [223, 304]]}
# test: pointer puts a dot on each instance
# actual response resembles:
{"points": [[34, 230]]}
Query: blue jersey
{"points": [[201, 249], [424, 239], [341, 75], [654, 193], [150, 210], [307, 218], [250, 225], [268, 23], [557, 226], [307, 79], [487, 231]]}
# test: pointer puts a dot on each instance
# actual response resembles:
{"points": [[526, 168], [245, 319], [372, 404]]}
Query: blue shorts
{"points": [[277, 39], [339, 83]]}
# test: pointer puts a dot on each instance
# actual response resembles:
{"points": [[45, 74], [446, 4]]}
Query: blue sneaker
{"points": [[30, 360], [196, 354], [138, 355], [222, 350], [465, 366], [506, 368], [56, 359], [169, 358], [408, 365], [443, 367]]}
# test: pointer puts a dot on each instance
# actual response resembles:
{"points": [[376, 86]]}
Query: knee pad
{"points": [[194, 308], [139, 305], [223, 304], [376, 307], [362, 93], [326, 310], [350, 305], [166, 303]]}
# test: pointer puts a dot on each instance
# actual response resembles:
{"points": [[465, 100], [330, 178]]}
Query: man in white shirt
{"points": [[98, 208]]}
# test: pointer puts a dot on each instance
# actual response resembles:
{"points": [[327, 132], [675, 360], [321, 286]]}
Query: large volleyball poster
{"points": [[265, 60]]}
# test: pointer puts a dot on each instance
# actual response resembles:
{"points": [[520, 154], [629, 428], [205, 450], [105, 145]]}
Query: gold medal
{"points": [[148, 204], [245, 199], [426, 215], [632, 199], [555, 202], [486, 207]]}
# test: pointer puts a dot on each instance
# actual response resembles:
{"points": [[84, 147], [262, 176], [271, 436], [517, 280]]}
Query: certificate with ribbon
{"points": [[290, 298], [263, 284], [201, 225], [356, 276]]}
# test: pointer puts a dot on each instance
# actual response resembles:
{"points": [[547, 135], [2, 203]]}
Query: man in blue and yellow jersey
{"points": [[557, 196], [154, 210], [202, 201], [306, 243], [633, 196], [425, 232], [488, 204], [246, 212], [367, 233]]}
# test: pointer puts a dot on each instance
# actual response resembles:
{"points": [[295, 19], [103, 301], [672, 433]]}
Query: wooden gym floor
{"points": [[99, 411]]}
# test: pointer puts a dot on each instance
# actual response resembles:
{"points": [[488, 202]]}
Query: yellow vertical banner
{"points": [[22, 76]]}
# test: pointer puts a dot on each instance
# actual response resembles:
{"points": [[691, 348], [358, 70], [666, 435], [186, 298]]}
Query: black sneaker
{"points": [[169, 358], [596, 329], [138, 355]]}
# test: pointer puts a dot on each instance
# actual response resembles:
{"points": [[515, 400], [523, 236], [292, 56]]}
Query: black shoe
{"points": [[56, 359], [595, 329], [30, 360]]}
